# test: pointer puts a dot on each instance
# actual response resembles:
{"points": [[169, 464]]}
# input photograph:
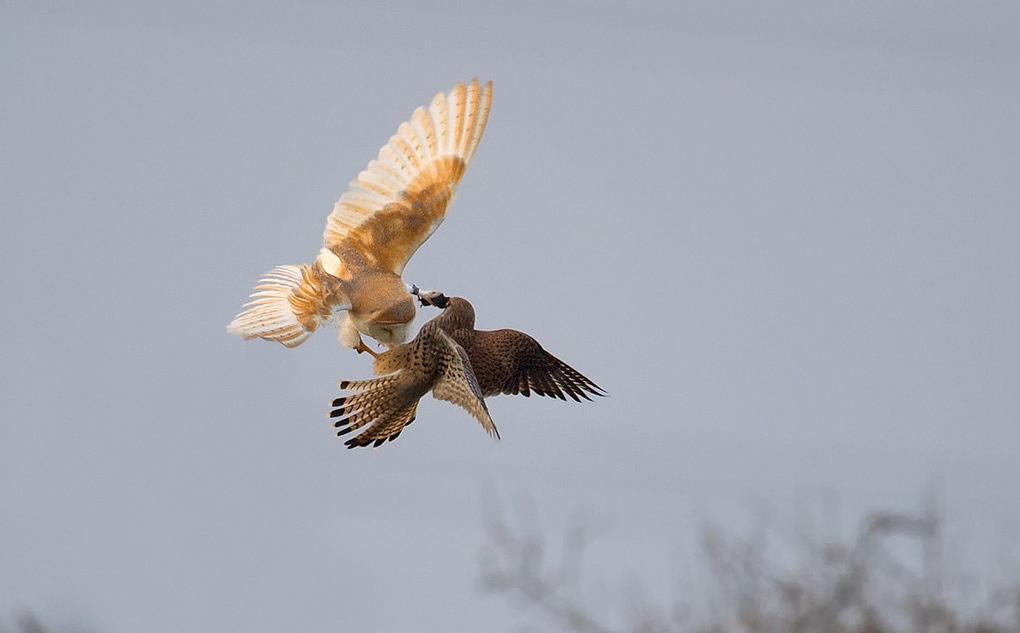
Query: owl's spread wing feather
{"points": [[401, 198]]}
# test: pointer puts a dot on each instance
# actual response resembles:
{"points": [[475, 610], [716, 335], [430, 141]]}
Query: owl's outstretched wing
{"points": [[401, 198]]}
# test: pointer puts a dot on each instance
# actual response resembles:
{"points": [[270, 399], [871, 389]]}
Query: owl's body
{"points": [[376, 226]]}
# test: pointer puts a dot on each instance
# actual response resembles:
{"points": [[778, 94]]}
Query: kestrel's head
{"points": [[432, 298]]}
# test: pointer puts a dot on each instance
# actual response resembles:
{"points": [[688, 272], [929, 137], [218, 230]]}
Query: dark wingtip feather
{"points": [[570, 389]]}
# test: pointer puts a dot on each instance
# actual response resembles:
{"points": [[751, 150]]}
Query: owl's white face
{"points": [[389, 334], [351, 328]]}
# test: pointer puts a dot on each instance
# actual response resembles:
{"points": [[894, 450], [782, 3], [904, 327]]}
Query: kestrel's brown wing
{"points": [[384, 405], [457, 383], [511, 362], [400, 200]]}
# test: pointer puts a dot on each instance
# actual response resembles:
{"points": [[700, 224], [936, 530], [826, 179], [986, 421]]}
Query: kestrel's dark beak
{"points": [[433, 298]]}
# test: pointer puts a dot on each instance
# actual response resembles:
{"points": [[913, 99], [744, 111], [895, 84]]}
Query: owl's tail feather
{"points": [[288, 304]]}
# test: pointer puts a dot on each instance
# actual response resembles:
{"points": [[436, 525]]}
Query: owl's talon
{"points": [[361, 347]]}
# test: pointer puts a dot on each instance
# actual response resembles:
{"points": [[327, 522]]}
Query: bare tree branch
{"points": [[869, 585]]}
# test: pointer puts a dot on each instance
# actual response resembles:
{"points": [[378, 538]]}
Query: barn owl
{"points": [[376, 226]]}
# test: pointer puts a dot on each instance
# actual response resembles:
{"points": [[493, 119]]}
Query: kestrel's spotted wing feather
{"points": [[400, 200], [507, 361], [511, 362], [457, 384], [384, 406]]}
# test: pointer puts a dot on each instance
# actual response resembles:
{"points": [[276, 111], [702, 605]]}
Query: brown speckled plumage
{"points": [[508, 361], [384, 406], [457, 363], [388, 211]]}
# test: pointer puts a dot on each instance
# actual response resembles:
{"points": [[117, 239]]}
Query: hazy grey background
{"points": [[784, 239]]}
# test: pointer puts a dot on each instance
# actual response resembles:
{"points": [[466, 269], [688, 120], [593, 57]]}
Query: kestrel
{"points": [[507, 361], [376, 226], [431, 362], [453, 359]]}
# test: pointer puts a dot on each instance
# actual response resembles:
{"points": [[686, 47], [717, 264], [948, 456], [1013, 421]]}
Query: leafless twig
{"points": [[868, 585]]}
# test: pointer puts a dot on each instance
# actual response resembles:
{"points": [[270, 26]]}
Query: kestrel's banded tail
{"points": [[288, 304], [375, 227], [384, 406], [381, 403]]}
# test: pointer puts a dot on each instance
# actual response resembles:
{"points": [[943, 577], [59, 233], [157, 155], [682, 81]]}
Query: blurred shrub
{"points": [[861, 586]]}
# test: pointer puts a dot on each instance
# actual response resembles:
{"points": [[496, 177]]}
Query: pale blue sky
{"points": [[784, 239]]}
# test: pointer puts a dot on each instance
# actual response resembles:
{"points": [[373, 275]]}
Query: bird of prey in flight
{"points": [[376, 226], [457, 363]]}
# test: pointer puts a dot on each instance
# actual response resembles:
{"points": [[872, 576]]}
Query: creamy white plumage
{"points": [[388, 211]]}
